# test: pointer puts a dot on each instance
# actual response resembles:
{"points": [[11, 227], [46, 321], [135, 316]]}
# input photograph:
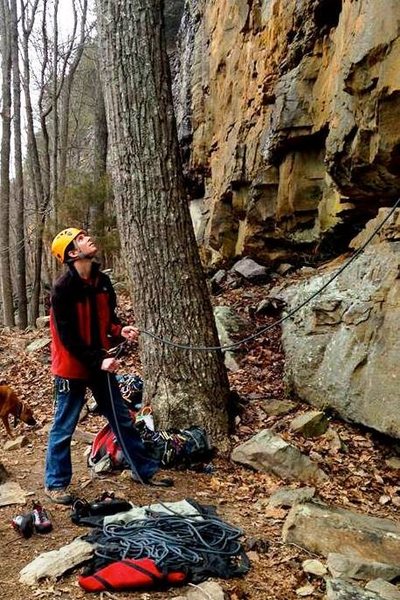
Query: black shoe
{"points": [[24, 524], [109, 506], [106, 505]]}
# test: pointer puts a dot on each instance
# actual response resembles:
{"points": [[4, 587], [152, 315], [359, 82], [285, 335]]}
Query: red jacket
{"points": [[82, 322]]}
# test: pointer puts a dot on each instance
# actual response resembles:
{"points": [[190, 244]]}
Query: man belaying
{"points": [[83, 323]]}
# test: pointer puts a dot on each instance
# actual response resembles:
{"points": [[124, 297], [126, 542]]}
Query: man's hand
{"points": [[130, 333], [109, 364]]}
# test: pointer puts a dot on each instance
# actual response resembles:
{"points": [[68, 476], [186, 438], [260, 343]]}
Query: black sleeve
{"points": [[66, 322]]}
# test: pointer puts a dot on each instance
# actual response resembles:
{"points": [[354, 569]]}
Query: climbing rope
{"points": [[289, 315], [174, 542]]}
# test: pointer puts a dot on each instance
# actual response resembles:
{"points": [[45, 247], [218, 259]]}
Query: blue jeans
{"points": [[69, 400]]}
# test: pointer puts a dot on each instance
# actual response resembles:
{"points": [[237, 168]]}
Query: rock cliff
{"points": [[288, 114], [342, 349]]}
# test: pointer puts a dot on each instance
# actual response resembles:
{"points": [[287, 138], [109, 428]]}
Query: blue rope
{"points": [[172, 541]]}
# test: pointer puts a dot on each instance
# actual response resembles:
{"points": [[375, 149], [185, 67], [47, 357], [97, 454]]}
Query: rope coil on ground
{"points": [[174, 542]]}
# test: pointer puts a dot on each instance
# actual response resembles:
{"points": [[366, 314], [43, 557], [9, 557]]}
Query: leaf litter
{"points": [[353, 457]]}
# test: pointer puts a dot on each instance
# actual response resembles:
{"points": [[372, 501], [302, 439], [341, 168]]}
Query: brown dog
{"points": [[10, 405]]}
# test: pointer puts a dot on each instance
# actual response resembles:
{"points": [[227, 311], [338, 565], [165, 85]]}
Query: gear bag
{"points": [[179, 448], [185, 448]]}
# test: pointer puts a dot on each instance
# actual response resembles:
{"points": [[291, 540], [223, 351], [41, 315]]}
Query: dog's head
{"points": [[24, 414]]}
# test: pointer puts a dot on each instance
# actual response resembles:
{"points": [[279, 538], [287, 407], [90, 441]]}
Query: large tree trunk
{"points": [[5, 269], [169, 291], [19, 184]]}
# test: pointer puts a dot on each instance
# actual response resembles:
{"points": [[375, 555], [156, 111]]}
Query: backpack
{"points": [[106, 454], [185, 448], [178, 448]]}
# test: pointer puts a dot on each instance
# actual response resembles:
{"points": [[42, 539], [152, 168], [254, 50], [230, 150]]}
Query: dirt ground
{"points": [[359, 478]]}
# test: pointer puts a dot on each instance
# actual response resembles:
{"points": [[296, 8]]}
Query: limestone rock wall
{"points": [[289, 118]]}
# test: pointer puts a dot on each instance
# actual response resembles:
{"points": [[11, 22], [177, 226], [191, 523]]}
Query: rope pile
{"points": [[195, 544]]}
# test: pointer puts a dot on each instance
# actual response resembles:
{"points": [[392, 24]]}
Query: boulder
{"points": [[207, 589], [228, 322], [56, 562], [249, 269], [287, 497], [305, 590], [393, 462], [341, 349], [311, 424], [38, 345], [269, 305], [314, 567], [353, 567], [217, 280], [284, 268], [277, 407], [386, 590], [270, 453], [42, 322], [339, 589], [324, 529], [12, 493], [18, 442]]}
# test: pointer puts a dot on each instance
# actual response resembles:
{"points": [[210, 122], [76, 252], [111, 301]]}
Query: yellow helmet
{"points": [[62, 241]]}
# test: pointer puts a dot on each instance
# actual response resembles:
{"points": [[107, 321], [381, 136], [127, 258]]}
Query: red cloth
{"points": [[129, 574]]}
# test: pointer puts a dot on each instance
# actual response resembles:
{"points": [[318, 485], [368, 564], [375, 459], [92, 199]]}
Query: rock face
{"points": [[342, 350], [288, 117]]}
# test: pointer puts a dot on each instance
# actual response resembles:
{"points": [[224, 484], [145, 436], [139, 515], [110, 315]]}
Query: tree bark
{"points": [[19, 182], [6, 284], [169, 291], [33, 156], [54, 102]]}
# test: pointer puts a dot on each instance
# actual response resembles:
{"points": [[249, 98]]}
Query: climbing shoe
{"points": [[24, 524], [41, 520]]}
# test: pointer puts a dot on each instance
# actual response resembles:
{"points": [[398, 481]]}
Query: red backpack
{"points": [[106, 454]]}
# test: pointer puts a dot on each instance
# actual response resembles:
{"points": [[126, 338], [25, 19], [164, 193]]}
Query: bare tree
{"points": [[56, 68], [28, 14], [169, 291], [19, 182], [67, 82], [6, 284]]}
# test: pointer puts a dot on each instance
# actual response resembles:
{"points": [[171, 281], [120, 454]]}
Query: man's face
{"points": [[85, 245]]}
